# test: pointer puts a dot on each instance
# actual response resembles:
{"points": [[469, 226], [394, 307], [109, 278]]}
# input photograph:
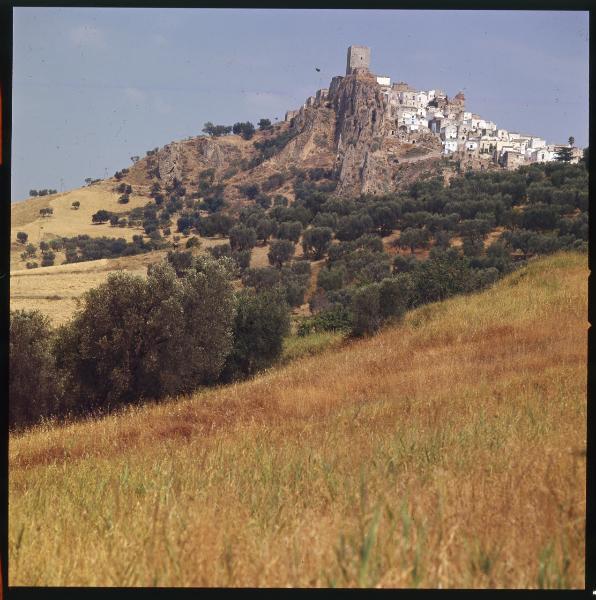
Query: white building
{"points": [[449, 146], [384, 80]]}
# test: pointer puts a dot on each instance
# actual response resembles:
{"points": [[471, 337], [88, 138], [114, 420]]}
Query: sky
{"points": [[94, 86]]}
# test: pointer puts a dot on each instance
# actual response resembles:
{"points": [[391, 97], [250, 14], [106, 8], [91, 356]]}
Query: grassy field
{"points": [[448, 451]]}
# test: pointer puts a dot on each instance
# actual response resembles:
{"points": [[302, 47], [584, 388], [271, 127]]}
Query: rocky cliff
{"points": [[347, 132]]}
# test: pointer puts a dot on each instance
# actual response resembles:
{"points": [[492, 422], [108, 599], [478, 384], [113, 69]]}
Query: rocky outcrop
{"points": [[362, 163], [170, 162]]}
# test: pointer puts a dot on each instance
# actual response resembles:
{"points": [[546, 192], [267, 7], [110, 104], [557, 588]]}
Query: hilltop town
{"points": [[410, 115]]}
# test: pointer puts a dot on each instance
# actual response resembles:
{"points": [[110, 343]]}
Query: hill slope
{"points": [[447, 451]]}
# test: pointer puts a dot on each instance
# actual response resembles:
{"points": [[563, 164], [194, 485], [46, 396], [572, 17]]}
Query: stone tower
{"points": [[358, 57]]}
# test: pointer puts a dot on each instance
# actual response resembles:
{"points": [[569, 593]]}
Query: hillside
{"points": [[448, 451]]}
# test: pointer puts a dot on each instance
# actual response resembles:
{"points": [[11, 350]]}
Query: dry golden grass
{"points": [[67, 222], [448, 451]]}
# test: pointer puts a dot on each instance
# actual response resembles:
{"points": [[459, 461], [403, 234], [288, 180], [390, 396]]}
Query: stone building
{"points": [[358, 58]]}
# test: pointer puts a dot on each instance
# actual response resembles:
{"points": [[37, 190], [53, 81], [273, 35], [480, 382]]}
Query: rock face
{"points": [[348, 131], [361, 163], [170, 162]]}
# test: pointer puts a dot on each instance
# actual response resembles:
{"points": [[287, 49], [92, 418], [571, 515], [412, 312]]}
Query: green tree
{"points": [[242, 237], [290, 230], [265, 228], [22, 237], [34, 390], [316, 241], [262, 322], [366, 310], [47, 258], [101, 216], [280, 251], [136, 338], [264, 124], [76, 205]]}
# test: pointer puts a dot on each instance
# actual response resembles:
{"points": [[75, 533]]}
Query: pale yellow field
{"points": [[448, 451], [67, 222]]}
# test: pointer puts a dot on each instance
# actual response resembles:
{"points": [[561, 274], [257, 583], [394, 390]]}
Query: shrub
{"points": [[32, 265], [241, 258], [251, 191], [22, 237], [335, 317], [332, 278], [220, 251], [193, 242], [44, 246]]}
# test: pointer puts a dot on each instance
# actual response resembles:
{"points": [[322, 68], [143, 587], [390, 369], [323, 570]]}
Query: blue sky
{"points": [[94, 86]]}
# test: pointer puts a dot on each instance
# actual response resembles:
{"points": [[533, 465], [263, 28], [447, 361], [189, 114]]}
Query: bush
{"points": [[34, 389], [333, 318], [193, 242], [332, 278], [366, 310], [220, 251], [262, 321], [241, 258], [32, 265], [251, 191], [135, 338], [22, 237]]}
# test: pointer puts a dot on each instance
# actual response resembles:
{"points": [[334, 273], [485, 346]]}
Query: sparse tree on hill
{"points": [[242, 237], [47, 258], [101, 216], [22, 237], [280, 251], [76, 204], [264, 124], [571, 141], [316, 241], [33, 193]]}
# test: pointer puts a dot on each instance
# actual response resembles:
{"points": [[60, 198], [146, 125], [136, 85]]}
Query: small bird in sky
{"points": [[317, 69]]}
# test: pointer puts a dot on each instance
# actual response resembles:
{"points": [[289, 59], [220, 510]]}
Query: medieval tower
{"points": [[358, 57]]}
